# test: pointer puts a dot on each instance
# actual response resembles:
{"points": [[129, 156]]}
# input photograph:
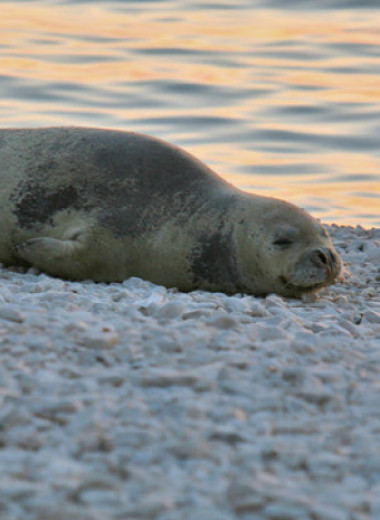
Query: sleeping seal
{"points": [[84, 203]]}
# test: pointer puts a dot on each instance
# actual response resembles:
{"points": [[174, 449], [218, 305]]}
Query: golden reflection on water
{"points": [[231, 33], [286, 55]]}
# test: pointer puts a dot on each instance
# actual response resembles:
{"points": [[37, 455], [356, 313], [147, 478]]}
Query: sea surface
{"points": [[282, 98]]}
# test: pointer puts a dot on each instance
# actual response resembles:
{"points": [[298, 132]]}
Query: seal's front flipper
{"points": [[55, 256]]}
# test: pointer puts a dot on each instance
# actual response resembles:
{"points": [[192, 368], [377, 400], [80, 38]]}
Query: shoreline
{"points": [[129, 400]]}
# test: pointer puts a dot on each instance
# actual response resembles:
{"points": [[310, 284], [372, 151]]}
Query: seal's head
{"points": [[287, 251]]}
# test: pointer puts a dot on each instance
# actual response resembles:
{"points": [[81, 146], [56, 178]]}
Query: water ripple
{"points": [[284, 101]]}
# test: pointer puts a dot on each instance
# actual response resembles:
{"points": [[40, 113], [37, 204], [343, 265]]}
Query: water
{"points": [[281, 101]]}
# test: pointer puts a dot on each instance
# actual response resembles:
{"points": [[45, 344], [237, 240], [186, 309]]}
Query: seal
{"points": [[84, 203]]}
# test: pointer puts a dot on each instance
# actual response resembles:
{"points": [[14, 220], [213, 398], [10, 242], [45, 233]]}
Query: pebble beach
{"points": [[133, 401]]}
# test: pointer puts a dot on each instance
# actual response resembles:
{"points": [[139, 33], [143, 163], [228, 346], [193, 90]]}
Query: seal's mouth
{"points": [[294, 289]]}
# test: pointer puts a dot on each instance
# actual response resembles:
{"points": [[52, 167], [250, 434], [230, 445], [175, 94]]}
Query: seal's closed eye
{"points": [[283, 242], [285, 237]]}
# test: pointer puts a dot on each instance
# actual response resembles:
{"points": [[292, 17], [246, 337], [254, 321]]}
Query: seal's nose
{"points": [[325, 257]]}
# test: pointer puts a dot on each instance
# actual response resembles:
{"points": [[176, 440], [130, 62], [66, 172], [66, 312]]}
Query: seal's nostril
{"points": [[325, 257], [321, 256]]}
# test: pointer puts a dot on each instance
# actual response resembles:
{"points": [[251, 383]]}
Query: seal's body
{"points": [[84, 203]]}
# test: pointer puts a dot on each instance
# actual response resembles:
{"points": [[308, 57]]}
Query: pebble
{"points": [[169, 311], [222, 320], [280, 511], [99, 338], [133, 401], [11, 313], [243, 498], [329, 512], [372, 316], [164, 378]]}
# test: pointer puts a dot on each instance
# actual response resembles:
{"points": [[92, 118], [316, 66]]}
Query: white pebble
{"points": [[329, 512], [372, 316], [166, 378], [100, 339], [222, 320], [244, 498], [169, 311], [11, 313]]}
